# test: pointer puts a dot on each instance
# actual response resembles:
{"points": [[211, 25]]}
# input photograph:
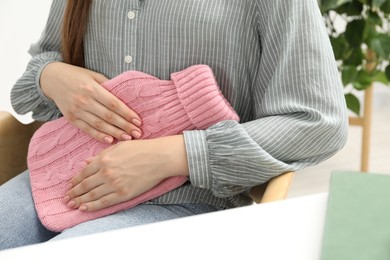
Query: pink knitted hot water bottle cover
{"points": [[57, 151]]}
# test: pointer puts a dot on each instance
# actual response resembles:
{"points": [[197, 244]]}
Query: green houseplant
{"points": [[362, 48]]}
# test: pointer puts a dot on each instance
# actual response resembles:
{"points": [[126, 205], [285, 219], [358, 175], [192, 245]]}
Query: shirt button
{"points": [[128, 59], [131, 15]]}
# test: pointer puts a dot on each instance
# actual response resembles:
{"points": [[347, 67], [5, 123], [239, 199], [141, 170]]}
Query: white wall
{"points": [[21, 23]]}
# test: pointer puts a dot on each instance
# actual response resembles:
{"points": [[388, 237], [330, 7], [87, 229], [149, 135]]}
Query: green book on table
{"points": [[357, 224]]}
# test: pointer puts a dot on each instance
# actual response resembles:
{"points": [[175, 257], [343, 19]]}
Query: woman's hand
{"points": [[126, 170], [86, 104]]}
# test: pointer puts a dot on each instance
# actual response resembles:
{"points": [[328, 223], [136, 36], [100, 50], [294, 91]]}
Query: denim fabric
{"points": [[20, 226]]}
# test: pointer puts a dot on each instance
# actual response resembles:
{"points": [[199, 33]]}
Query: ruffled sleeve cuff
{"points": [[198, 156], [27, 95], [38, 85]]}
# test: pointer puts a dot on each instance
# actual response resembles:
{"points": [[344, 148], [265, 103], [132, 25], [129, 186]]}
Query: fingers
{"points": [[95, 200], [103, 124], [89, 192], [100, 78], [83, 183], [84, 176], [114, 117], [101, 130], [92, 132], [113, 103], [90, 159], [111, 122]]}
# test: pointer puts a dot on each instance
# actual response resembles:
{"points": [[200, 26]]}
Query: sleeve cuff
{"points": [[38, 85], [198, 158]]}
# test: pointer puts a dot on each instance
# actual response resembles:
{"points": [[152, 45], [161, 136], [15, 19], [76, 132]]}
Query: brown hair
{"points": [[73, 30]]}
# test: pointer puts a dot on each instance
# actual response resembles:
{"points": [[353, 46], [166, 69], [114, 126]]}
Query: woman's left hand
{"points": [[126, 170]]}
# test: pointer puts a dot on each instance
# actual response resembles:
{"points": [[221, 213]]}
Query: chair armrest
{"points": [[14, 140], [276, 189]]}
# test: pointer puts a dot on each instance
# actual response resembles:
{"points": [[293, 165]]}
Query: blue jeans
{"points": [[20, 226]]}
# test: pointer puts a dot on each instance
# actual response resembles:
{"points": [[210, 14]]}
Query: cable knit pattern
{"points": [[57, 151]]}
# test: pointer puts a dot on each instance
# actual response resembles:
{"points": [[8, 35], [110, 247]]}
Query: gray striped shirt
{"points": [[271, 58]]}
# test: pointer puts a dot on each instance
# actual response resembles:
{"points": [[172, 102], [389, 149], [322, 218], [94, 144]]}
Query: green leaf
{"points": [[348, 74], [340, 46], [369, 32], [381, 45], [354, 32], [353, 57], [351, 9], [387, 72], [353, 103], [373, 21], [380, 76], [327, 5], [363, 80], [374, 18], [386, 7], [378, 3]]}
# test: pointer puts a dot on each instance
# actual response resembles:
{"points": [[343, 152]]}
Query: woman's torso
{"points": [[163, 36]]}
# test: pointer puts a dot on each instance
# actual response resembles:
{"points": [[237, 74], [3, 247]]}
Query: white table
{"points": [[289, 229]]}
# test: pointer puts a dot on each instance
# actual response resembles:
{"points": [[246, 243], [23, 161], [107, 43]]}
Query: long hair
{"points": [[73, 31]]}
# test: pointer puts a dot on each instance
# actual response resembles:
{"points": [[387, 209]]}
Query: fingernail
{"points": [[83, 208], [71, 204], [136, 122], [126, 137], [136, 134], [66, 199], [108, 139], [89, 160]]}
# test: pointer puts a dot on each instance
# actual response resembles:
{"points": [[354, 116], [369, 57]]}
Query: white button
{"points": [[131, 15], [128, 59]]}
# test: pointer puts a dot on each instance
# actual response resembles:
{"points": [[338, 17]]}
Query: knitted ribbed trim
{"points": [[201, 97]]}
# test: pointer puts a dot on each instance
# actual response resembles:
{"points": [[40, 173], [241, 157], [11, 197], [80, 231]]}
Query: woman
{"points": [[272, 60]]}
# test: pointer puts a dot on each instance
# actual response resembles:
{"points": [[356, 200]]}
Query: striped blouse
{"points": [[273, 62]]}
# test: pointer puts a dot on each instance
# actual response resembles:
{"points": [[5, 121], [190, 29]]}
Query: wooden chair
{"points": [[14, 140], [365, 121], [15, 137]]}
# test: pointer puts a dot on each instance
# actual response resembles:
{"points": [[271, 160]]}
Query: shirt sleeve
{"points": [[300, 116], [26, 94]]}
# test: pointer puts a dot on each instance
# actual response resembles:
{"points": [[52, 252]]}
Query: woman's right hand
{"points": [[87, 105]]}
